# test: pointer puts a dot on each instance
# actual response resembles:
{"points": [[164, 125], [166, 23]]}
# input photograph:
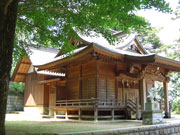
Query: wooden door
{"points": [[110, 89], [106, 89], [52, 99], [131, 94], [88, 88]]}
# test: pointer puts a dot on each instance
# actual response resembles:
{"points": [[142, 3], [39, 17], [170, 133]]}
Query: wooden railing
{"points": [[110, 103], [100, 103]]}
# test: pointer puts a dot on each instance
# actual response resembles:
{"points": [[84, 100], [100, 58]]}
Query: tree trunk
{"points": [[8, 17]]}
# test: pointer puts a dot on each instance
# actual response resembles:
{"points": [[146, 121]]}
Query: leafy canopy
{"points": [[51, 22], [149, 38]]}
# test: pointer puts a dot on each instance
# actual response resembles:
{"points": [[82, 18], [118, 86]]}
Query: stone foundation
{"points": [[15, 103], [37, 110]]}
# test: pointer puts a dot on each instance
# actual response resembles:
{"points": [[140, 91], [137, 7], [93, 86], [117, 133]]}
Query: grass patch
{"points": [[53, 127], [37, 128]]}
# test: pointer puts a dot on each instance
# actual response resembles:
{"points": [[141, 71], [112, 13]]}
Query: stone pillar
{"points": [[66, 114], [137, 109], [166, 100], [95, 114], [143, 93], [112, 113], [55, 114], [79, 113]]}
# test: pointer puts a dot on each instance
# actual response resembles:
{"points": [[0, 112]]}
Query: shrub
{"points": [[16, 88]]}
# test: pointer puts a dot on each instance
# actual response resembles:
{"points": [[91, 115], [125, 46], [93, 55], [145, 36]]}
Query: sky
{"points": [[171, 28]]}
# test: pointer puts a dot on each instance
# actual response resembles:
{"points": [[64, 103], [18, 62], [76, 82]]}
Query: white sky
{"points": [[171, 28]]}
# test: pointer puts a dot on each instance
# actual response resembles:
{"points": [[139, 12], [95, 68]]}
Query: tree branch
{"points": [[47, 8]]}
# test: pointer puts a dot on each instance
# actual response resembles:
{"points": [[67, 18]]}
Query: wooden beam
{"points": [[21, 74], [128, 74], [26, 63], [49, 81], [154, 77], [138, 46]]}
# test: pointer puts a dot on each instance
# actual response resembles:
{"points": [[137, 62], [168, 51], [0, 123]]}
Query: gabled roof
{"points": [[20, 70], [123, 42], [115, 53], [35, 56], [128, 50]]}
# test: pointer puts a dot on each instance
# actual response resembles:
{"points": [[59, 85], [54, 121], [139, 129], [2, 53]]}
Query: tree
{"points": [[149, 38], [51, 23]]}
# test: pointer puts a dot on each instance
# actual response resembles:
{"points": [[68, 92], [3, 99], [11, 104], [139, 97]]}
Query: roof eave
{"points": [[66, 59]]}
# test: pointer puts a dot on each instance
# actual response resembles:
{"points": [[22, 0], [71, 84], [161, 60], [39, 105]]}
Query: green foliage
{"points": [[176, 106], [159, 88], [52, 22], [149, 38], [16, 88], [173, 52]]}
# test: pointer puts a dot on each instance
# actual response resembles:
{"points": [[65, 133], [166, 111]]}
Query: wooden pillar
{"points": [[112, 113], [79, 113], [143, 93], [95, 114], [166, 100]]}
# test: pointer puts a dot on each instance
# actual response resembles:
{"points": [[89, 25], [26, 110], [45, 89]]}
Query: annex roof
{"points": [[35, 56]]}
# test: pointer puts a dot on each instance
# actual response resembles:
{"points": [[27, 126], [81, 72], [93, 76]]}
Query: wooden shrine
{"points": [[98, 82]]}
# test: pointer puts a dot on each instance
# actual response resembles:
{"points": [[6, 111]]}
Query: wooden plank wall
{"points": [[34, 92], [106, 80], [88, 88], [46, 95], [73, 74], [106, 88], [81, 80], [97, 79], [61, 93], [110, 86]]}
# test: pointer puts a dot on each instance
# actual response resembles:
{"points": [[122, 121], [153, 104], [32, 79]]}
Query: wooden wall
{"points": [[34, 92], [46, 95], [81, 80], [98, 79], [106, 80], [61, 92], [111, 86]]}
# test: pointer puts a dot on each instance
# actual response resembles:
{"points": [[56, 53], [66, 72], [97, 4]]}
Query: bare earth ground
{"points": [[25, 124]]}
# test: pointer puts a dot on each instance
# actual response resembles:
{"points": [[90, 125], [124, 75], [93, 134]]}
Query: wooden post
{"points": [[112, 113], [95, 114], [79, 113], [143, 93], [166, 101]]}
